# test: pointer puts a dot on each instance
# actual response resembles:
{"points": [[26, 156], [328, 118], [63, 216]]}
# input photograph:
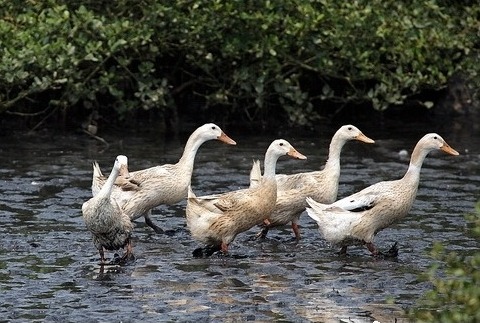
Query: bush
{"points": [[455, 296], [252, 59]]}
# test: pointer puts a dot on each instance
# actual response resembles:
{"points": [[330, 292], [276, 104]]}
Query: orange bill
{"points": [[365, 139], [295, 154], [449, 150], [226, 139]]}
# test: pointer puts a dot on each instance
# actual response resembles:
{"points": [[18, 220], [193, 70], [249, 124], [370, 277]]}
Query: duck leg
{"points": [[263, 233], [128, 255], [371, 247], [101, 251], [296, 231], [224, 247], [151, 224]]}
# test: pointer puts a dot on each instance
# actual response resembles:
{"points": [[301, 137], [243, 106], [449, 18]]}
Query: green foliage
{"points": [[77, 56], [456, 295], [254, 59]]}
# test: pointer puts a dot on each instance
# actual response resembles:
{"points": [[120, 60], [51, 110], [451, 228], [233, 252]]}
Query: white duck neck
{"points": [[416, 161], [106, 189], [270, 164], [190, 151], [334, 151]]}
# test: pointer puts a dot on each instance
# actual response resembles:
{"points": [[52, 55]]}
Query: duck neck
{"points": [[108, 186], [334, 150], [190, 151], [416, 162], [269, 165]]}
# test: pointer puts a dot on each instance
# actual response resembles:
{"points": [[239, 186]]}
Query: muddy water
{"points": [[49, 268]]}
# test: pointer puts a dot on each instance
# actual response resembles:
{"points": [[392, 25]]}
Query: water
{"points": [[49, 269]]}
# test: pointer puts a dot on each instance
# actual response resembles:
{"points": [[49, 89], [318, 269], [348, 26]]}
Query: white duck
{"points": [[216, 220], [321, 185], [166, 184], [357, 218], [110, 226]]}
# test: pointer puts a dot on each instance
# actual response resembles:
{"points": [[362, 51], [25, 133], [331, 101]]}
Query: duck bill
{"points": [[226, 139], [295, 154], [365, 139], [449, 150]]}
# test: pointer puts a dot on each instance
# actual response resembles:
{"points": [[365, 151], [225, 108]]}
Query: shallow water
{"points": [[49, 268]]}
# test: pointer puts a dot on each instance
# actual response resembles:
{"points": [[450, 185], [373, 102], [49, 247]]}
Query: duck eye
{"points": [[435, 137], [213, 127], [281, 144], [349, 128]]}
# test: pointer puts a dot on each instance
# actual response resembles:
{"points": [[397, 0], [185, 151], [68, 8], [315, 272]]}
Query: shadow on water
{"points": [[49, 269]]}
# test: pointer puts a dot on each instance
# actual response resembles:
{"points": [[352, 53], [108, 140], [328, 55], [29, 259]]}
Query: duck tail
{"points": [[97, 172], [191, 195], [314, 209]]}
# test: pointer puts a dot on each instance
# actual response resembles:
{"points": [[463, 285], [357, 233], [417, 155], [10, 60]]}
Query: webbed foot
{"points": [[391, 253], [205, 252]]}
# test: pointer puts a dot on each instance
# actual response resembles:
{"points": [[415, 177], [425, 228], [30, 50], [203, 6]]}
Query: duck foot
{"points": [[262, 234], [391, 253], [115, 260], [169, 233], [343, 251], [205, 252], [126, 259]]}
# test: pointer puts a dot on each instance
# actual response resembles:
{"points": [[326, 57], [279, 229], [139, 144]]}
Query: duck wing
{"points": [[368, 197], [220, 203]]}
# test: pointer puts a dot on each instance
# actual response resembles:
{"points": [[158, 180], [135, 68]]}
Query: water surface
{"points": [[49, 267]]}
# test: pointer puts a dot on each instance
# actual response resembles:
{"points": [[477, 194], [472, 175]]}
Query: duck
{"points": [[111, 228], [356, 219], [216, 220], [168, 183], [322, 185]]}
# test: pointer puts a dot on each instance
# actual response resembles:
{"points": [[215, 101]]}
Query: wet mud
{"points": [[50, 271]]}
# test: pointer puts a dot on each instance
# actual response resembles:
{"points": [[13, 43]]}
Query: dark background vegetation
{"points": [[157, 64]]}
